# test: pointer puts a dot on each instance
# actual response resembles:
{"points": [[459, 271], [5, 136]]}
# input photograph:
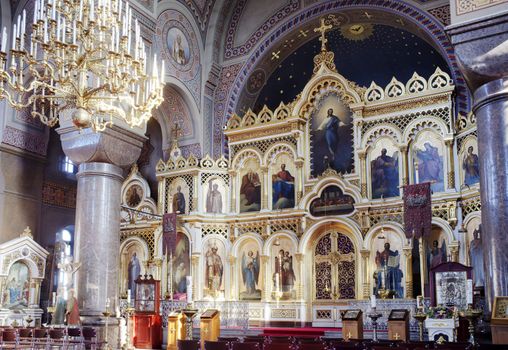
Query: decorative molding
{"points": [[59, 195], [442, 13], [201, 9], [467, 6], [35, 143], [232, 51], [226, 80]]}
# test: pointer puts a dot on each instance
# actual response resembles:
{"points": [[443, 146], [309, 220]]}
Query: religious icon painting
{"points": [[283, 269], [215, 196], [17, 287], [469, 167], [428, 151], [436, 248], [331, 136], [181, 266], [214, 254], [132, 257], [283, 173], [180, 200], [178, 46], [474, 256], [332, 201], [384, 169], [250, 186], [134, 195], [451, 289], [250, 266], [388, 264]]}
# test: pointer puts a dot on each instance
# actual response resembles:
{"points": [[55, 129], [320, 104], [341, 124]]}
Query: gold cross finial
{"points": [[349, 335], [396, 336], [322, 29]]}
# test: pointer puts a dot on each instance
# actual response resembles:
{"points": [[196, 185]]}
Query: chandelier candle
{"points": [[85, 57]]}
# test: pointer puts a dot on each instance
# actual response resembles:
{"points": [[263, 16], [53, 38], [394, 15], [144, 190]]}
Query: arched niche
{"points": [[428, 155], [384, 169], [387, 264], [283, 274], [248, 268], [249, 181], [281, 177], [134, 255], [215, 268]]}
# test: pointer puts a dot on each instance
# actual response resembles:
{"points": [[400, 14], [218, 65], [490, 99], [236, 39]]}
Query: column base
{"points": [[109, 329]]}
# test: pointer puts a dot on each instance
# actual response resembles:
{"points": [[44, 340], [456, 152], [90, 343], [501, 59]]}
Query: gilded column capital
{"points": [[365, 253], [195, 258], [299, 257], [299, 162], [362, 154], [232, 259], [403, 147], [448, 142], [264, 259], [233, 173], [264, 169]]}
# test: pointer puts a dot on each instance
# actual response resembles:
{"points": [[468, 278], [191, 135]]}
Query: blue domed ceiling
{"points": [[363, 53]]}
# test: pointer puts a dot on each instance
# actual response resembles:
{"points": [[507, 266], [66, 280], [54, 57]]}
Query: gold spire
{"points": [[324, 57], [322, 29]]}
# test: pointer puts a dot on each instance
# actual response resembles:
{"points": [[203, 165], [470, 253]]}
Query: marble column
{"points": [[366, 290], [405, 169], [233, 180], [265, 292], [409, 273], [264, 187], [102, 158], [481, 46], [450, 160], [234, 287], [301, 273], [362, 155], [196, 293]]}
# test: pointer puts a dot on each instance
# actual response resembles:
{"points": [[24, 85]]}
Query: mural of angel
{"points": [[284, 275], [250, 272]]}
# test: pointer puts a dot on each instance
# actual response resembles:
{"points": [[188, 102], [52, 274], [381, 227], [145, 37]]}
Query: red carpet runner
{"points": [[301, 332]]}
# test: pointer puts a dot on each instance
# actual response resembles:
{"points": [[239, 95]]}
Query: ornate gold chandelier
{"points": [[82, 58]]}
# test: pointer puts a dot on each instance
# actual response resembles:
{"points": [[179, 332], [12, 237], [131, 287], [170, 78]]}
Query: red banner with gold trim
{"points": [[417, 210]]}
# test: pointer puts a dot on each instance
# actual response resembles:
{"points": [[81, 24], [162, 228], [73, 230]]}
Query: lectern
{"points": [[147, 321], [499, 321], [176, 329], [209, 326], [398, 325], [352, 324]]}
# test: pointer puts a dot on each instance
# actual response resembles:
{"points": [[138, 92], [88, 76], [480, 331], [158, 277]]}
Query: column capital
{"points": [[264, 258], [403, 147], [299, 256], [362, 154], [480, 45], [114, 145]]}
